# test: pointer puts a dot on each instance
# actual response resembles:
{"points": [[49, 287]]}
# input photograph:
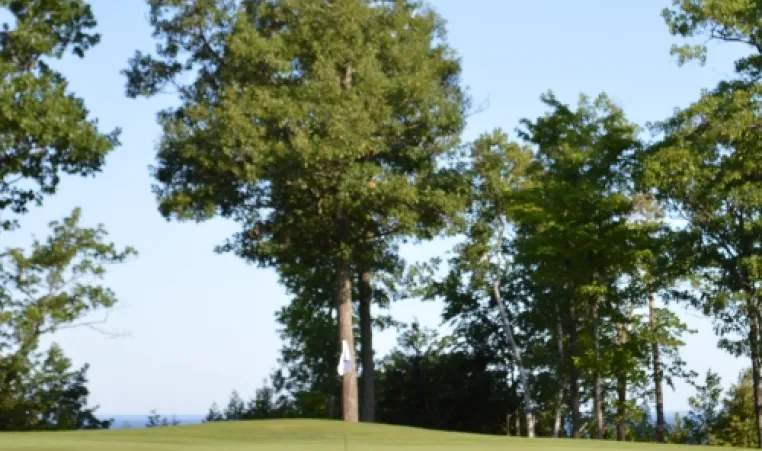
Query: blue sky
{"points": [[200, 324]]}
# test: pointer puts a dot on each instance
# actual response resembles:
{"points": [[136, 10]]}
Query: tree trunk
{"points": [[597, 394], [366, 348], [621, 427], [560, 395], [621, 386], [755, 370], [574, 395], [345, 316], [661, 425], [508, 327], [517, 420]]}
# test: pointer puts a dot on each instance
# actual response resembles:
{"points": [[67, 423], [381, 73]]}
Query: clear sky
{"points": [[202, 324]]}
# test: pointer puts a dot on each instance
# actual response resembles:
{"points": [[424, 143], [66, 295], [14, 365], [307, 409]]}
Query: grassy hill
{"points": [[292, 435]]}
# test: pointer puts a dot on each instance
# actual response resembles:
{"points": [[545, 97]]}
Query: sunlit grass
{"points": [[293, 435]]}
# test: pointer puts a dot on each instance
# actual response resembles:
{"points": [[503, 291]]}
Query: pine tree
{"points": [[319, 126]]}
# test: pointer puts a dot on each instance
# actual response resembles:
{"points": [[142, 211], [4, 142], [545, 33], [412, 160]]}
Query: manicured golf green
{"points": [[293, 435]]}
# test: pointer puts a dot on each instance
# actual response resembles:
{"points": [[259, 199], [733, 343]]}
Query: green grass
{"points": [[293, 435]]}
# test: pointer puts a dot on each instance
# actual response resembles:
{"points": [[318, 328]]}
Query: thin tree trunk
{"points": [[366, 348], [517, 420], [507, 424], [597, 394], [331, 410], [345, 316], [661, 425], [755, 369], [560, 395], [574, 395], [621, 385], [508, 327]]}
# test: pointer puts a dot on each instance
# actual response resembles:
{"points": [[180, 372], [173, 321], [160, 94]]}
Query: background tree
{"points": [[429, 382], [572, 229], [155, 420], [483, 262], [659, 271], [735, 423], [702, 418], [328, 142]]}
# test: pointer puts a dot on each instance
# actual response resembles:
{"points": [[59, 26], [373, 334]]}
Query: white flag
{"points": [[346, 364]]}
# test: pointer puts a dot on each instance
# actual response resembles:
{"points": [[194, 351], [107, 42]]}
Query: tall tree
{"points": [[573, 229], [705, 169], [660, 268], [318, 126], [483, 260], [46, 129], [712, 148]]}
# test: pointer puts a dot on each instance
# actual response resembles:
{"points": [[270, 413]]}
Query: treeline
{"points": [[577, 237], [330, 132], [425, 382]]}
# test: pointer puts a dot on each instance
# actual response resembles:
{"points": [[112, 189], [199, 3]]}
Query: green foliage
{"points": [[640, 424], [50, 287], [736, 425], [702, 418], [422, 383], [735, 21], [498, 170], [266, 404], [53, 285], [715, 420], [574, 218], [574, 235], [322, 128], [308, 138], [678, 433], [156, 421], [705, 170], [45, 129], [308, 359], [48, 394]]}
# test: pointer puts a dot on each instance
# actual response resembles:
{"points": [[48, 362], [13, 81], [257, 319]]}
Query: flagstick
{"points": [[346, 368], [345, 435], [350, 374]]}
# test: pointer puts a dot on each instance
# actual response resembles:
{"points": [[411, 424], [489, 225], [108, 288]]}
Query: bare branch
{"points": [[480, 108], [93, 325]]}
